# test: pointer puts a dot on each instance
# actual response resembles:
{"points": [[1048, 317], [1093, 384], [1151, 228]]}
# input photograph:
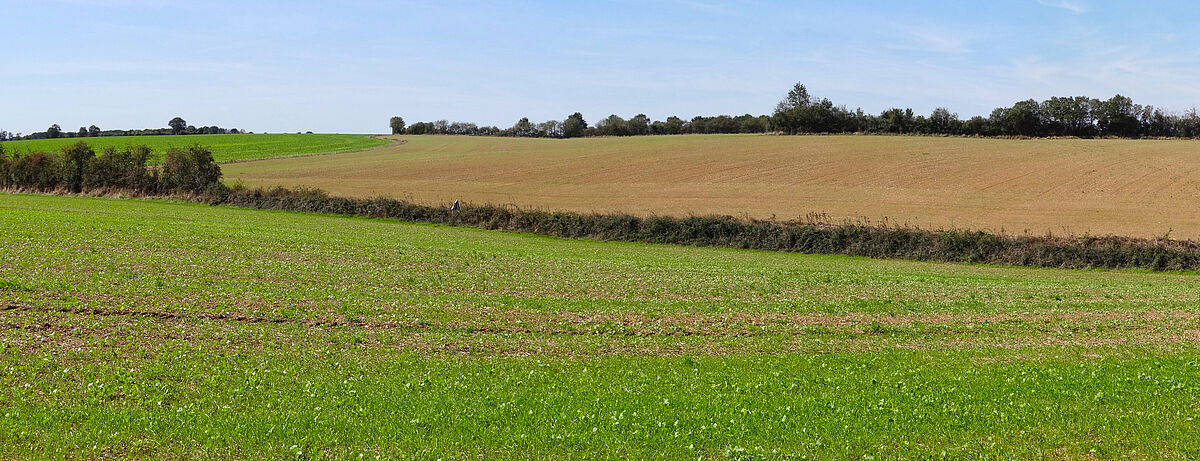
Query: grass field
{"points": [[225, 147], [1142, 188], [150, 329]]}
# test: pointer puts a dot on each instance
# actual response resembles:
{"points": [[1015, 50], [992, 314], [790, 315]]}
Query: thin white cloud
{"points": [[1074, 7], [932, 40]]}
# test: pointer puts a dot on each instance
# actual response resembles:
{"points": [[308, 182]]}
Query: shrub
{"points": [[190, 170], [125, 169], [74, 160], [4, 164], [36, 170]]}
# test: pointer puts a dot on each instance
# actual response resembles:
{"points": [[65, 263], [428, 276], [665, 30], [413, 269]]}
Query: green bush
{"points": [[190, 170], [5, 181], [37, 170], [74, 160], [123, 169]]}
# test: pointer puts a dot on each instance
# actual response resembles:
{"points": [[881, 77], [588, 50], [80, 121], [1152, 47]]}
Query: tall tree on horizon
{"points": [[574, 126], [177, 125]]}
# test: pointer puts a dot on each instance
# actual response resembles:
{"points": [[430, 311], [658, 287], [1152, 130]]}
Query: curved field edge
{"points": [[813, 237], [225, 147], [149, 329]]}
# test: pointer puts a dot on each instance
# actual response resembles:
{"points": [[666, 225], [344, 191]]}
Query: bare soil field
{"points": [[1143, 188]]}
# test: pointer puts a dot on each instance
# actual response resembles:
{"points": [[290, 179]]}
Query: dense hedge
{"points": [[76, 168], [727, 231]]}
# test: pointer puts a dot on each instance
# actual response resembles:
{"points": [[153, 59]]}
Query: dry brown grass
{"points": [[1143, 188]]}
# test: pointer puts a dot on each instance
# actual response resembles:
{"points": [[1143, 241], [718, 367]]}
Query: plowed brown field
{"points": [[1143, 188]]}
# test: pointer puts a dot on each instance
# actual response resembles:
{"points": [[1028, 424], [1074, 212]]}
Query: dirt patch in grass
{"points": [[520, 333], [233, 317]]}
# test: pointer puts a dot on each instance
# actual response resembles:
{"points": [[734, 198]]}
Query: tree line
{"points": [[78, 168], [800, 112], [176, 126], [574, 126]]}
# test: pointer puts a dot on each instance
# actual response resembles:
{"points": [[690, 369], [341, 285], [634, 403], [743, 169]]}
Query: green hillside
{"points": [[169, 330]]}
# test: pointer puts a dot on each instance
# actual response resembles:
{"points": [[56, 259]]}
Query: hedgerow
{"points": [[726, 231]]}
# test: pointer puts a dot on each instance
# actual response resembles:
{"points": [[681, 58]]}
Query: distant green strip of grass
{"points": [[225, 147]]}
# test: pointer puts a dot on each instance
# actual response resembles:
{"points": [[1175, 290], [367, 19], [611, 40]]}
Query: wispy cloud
{"points": [[932, 40], [1074, 7]]}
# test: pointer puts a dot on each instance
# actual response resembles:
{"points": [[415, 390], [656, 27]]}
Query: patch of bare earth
{"points": [[517, 333]]}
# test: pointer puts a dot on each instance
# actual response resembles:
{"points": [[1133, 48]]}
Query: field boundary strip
{"points": [[953, 245], [395, 142]]}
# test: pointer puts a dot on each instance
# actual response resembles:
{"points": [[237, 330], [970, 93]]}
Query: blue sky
{"points": [[347, 66]]}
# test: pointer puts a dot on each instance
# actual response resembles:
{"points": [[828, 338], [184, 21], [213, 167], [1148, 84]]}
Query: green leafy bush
{"points": [[75, 159], [36, 170], [123, 169], [190, 170]]}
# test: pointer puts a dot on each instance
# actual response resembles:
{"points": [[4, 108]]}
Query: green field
{"points": [[134, 328], [225, 147]]}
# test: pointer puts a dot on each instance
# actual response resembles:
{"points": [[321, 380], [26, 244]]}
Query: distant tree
{"points": [[574, 126], [466, 128], [420, 128], [178, 125], [943, 121], [752, 124], [550, 128], [54, 131], [83, 133], [93, 131], [1069, 116], [524, 128], [613, 125], [977, 126], [673, 125], [1118, 117], [638, 125], [797, 97], [896, 120], [397, 124], [1157, 122], [1189, 124]]}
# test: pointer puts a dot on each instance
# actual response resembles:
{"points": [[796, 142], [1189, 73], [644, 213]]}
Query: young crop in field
{"points": [[225, 147], [134, 328]]}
